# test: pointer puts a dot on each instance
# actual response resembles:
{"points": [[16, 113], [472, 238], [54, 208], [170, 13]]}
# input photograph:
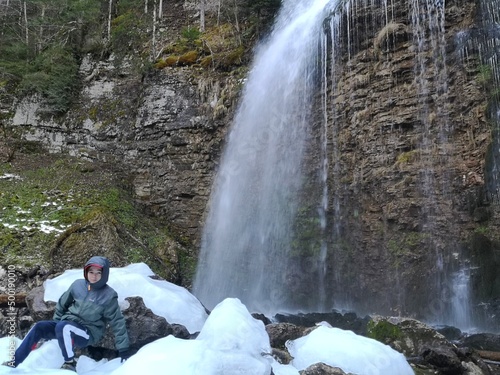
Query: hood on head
{"points": [[101, 262]]}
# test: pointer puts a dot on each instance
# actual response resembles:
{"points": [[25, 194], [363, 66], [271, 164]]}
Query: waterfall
{"points": [[252, 210], [276, 251]]}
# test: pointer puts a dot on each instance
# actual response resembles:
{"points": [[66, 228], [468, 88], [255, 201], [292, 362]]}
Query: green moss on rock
{"points": [[383, 331]]}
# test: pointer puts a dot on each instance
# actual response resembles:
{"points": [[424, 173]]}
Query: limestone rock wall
{"points": [[163, 131], [412, 134]]}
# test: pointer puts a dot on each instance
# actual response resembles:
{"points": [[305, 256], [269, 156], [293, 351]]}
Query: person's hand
{"points": [[124, 354]]}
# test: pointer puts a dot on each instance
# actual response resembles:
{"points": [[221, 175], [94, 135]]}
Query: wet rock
{"points": [[444, 359], [281, 356], [472, 361], [407, 336], [483, 341], [349, 321], [264, 319], [40, 310], [322, 369], [143, 326], [280, 333], [450, 333], [181, 332]]}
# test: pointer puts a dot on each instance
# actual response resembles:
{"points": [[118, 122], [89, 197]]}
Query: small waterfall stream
{"points": [[428, 23], [461, 312]]}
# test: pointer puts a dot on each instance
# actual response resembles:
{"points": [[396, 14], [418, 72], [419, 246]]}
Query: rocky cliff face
{"points": [[412, 135], [408, 198], [164, 131]]}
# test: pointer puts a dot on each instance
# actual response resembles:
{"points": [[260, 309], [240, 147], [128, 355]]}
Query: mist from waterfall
{"points": [[248, 229]]}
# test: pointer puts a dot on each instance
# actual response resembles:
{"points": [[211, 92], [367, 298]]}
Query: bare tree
{"points": [[25, 11], [203, 5], [110, 12], [40, 31], [236, 21], [153, 37], [218, 12]]}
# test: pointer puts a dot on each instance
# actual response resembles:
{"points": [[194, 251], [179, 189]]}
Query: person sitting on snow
{"points": [[80, 317]]}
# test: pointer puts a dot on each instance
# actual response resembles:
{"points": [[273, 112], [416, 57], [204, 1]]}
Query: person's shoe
{"points": [[71, 365], [8, 364]]}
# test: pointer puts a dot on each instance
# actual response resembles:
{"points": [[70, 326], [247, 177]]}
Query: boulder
{"points": [[181, 332], [455, 361], [444, 359], [449, 332], [348, 321], [322, 369], [280, 333], [143, 326], [264, 319], [40, 310], [281, 356], [473, 362], [407, 336], [482, 341], [425, 347]]}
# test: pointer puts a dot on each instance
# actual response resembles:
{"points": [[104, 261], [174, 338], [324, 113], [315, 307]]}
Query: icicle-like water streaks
{"points": [[248, 231], [324, 175], [331, 162], [490, 10], [484, 41], [428, 37], [342, 297]]}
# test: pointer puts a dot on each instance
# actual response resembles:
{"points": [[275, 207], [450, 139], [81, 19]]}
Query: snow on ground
{"points": [[165, 299], [345, 349], [231, 341]]}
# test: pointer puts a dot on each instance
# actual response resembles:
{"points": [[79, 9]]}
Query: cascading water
{"points": [[434, 148], [331, 160], [255, 201], [460, 301]]}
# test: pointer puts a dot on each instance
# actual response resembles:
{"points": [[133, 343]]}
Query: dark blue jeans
{"points": [[69, 335]]}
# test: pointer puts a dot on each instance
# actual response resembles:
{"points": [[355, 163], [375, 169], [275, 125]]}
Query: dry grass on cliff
{"points": [[387, 34]]}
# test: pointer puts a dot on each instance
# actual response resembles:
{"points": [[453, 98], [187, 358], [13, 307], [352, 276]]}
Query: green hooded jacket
{"points": [[94, 306]]}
